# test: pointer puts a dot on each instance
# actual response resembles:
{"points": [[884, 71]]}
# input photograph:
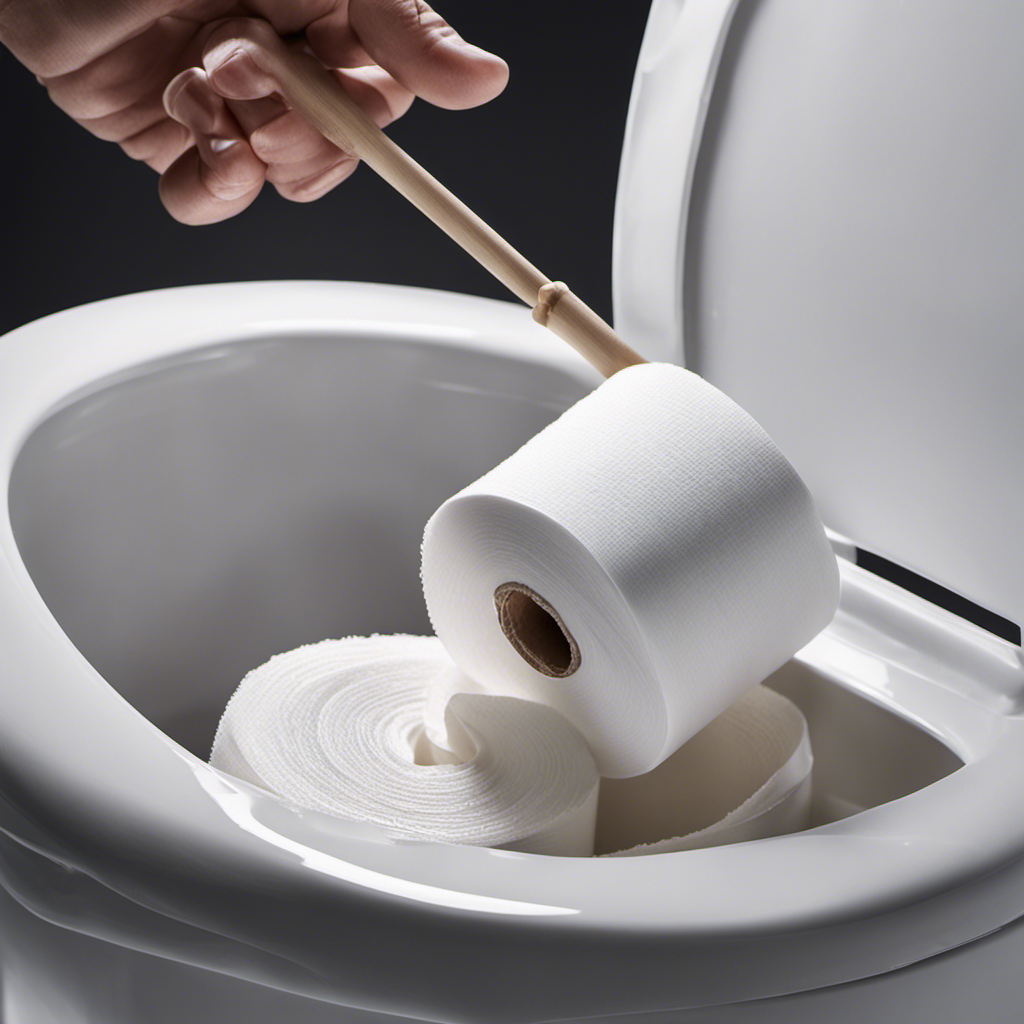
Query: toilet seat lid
{"points": [[834, 240]]}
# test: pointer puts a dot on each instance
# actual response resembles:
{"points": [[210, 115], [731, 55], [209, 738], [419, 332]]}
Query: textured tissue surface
{"points": [[685, 558], [387, 730], [680, 548], [338, 727]]}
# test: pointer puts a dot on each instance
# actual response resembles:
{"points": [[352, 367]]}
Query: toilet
{"points": [[199, 478]]}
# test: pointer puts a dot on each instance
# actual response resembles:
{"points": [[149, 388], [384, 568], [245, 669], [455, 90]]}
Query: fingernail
{"points": [[237, 75], [195, 112], [171, 94], [219, 145]]}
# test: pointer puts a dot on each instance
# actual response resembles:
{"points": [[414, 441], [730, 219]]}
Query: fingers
{"points": [[220, 175], [160, 145], [119, 96], [195, 191], [301, 164], [245, 134], [238, 59], [420, 50], [216, 181], [377, 92], [304, 188], [332, 38], [137, 69]]}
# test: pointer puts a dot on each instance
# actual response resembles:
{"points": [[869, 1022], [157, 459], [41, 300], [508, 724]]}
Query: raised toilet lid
{"points": [[839, 248]]}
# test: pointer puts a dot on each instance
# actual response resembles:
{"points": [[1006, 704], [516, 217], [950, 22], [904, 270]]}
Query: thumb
{"points": [[416, 46]]}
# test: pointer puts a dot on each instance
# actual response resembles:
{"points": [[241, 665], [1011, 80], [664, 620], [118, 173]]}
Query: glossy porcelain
{"points": [[198, 478], [820, 211]]}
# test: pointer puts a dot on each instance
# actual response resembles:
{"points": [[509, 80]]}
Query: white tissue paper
{"points": [[608, 599], [746, 775], [387, 730], [338, 727], [681, 552]]}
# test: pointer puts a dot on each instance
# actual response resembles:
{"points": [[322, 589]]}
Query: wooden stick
{"points": [[319, 97]]}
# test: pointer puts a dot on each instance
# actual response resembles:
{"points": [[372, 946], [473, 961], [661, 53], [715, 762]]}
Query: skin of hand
{"points": [[171, 81]]}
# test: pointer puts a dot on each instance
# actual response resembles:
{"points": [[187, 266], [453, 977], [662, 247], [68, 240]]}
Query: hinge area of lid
{"points": [[956, 642]]}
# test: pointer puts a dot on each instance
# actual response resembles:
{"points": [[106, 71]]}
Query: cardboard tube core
{"points": [[536, 630]]}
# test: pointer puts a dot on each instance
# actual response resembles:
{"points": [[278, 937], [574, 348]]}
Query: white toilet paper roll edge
{"points": [[337, 727], [681, 550]]}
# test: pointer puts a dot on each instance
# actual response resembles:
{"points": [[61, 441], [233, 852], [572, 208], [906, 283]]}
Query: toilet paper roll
{"points": [[746, 775], [338, 727], [638, 565]]}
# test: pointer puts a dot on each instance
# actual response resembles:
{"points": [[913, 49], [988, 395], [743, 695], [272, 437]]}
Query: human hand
{"points": [[152, 75]]}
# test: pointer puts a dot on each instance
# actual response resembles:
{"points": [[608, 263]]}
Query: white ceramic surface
{"points": [[829, 226], [196, 479], [171, 476]]}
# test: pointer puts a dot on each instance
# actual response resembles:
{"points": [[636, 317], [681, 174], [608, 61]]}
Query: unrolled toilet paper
{"points": [[387, 730], [606, 600], [746, 775], [638, 566], [338, 727]]}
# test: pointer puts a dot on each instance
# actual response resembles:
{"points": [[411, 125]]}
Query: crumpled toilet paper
{"points": [[338, 727], [639, 565]]}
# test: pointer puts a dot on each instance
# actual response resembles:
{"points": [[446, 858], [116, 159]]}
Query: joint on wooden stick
{"points": [[547, 298]]}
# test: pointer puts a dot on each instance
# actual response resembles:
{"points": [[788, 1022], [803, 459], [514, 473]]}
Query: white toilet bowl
{"points": [[199, 478]]}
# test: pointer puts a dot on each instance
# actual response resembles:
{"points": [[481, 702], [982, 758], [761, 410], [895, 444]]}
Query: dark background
{"points": [[83, 222]]}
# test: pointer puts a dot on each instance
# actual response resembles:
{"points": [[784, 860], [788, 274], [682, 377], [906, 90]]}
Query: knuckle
{"points": [[125, 124], [138, 148], [100, 89], [282, 174], [433, 29], [289, 136], [225, 185], [226, 190], [268, 141], [316, 185], [151, 145]]}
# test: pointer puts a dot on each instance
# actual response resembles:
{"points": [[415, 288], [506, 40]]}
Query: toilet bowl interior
{"points": [[195, 516]]}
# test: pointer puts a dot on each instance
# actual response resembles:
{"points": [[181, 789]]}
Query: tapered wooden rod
{"points": [[319, 97]]}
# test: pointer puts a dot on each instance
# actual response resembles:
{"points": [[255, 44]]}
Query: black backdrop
{"points": [[83, 222]]}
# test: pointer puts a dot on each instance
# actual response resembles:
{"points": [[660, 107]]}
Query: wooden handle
{"points": [[319, 97]]}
